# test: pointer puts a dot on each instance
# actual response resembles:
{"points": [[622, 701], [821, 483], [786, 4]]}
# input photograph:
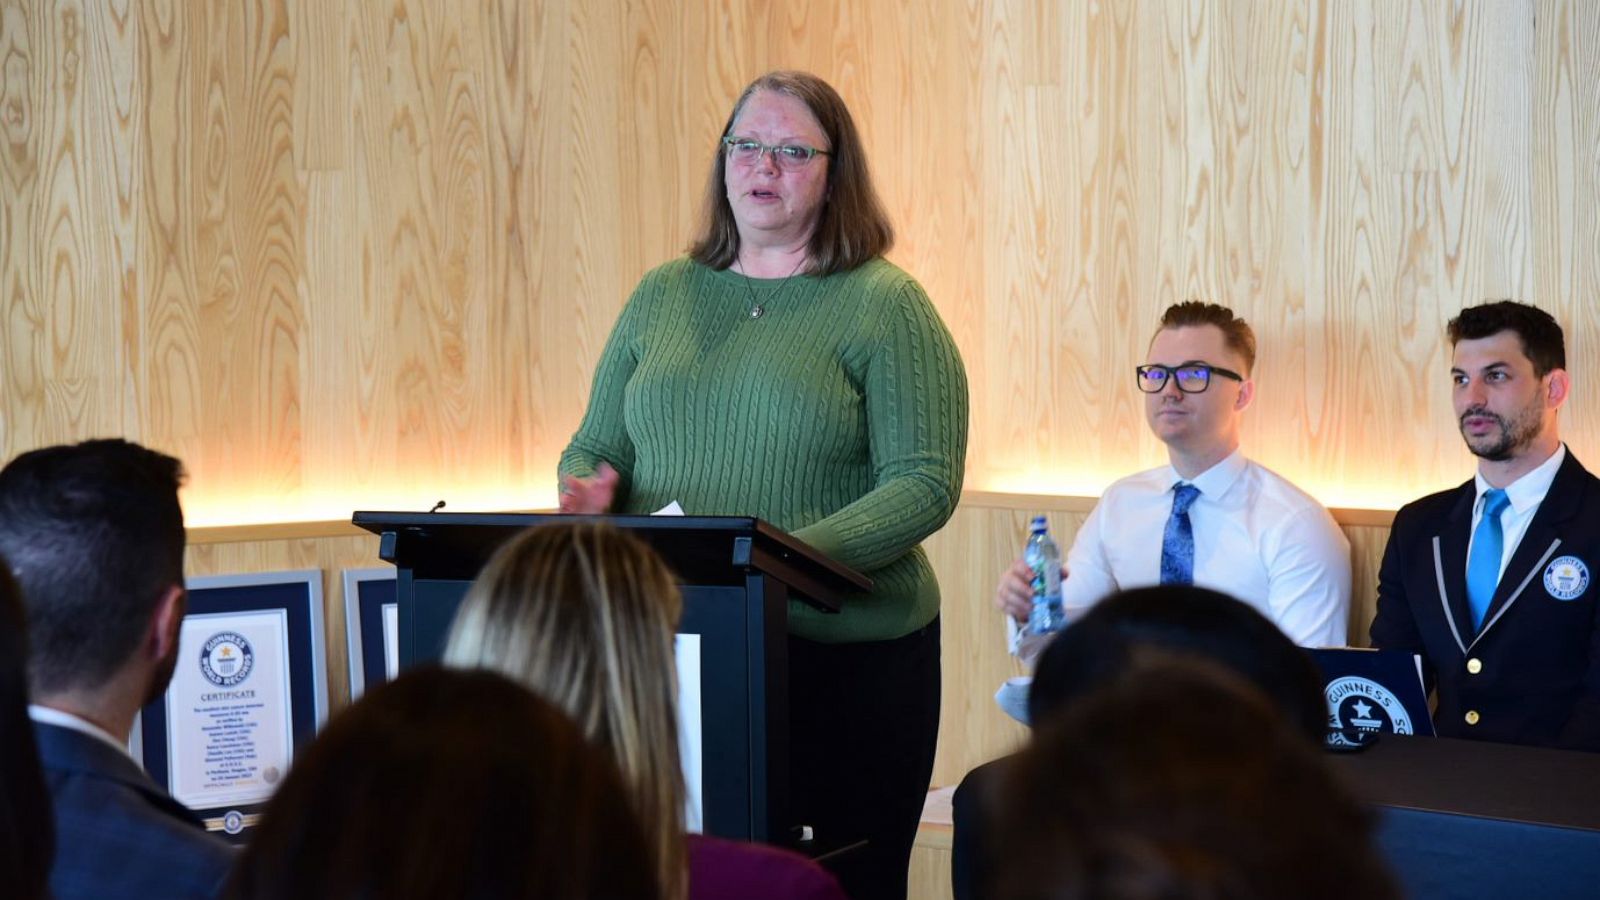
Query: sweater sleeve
{"points": [[603, 433], [916, 404]]}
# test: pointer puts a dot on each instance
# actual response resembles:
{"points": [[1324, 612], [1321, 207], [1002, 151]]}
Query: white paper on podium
{"points": [[229, 715], [687, 648], [671, 509]]}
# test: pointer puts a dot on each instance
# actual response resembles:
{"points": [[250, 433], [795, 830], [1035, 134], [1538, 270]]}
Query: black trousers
{"points": [[863, 722], [973, 861]]}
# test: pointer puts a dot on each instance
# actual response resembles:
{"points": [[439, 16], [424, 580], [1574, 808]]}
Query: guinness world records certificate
{"points": [[230, 734]]}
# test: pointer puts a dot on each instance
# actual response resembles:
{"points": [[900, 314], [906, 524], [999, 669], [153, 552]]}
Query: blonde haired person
{"points": [[584, 615]]}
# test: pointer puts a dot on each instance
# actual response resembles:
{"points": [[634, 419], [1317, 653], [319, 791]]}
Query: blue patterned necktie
{"points": [[1177, 542], [1483, 565]]}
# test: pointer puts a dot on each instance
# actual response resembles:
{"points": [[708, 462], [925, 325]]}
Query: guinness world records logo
{"points": [[1566, 578], [226, 659], [1365, 705]]}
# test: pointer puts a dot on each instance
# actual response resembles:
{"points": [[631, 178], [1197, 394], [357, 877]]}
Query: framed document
{"points": [[371, 627], [249, 686]]}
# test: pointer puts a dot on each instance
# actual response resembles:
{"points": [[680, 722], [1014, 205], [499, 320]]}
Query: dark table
{"points": [[1481, 820]]}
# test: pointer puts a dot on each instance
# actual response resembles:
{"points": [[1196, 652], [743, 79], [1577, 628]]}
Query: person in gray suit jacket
{"points": [[1492, 582], [94, 535]]}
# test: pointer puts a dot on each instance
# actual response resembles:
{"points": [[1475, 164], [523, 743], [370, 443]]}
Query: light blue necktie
{"points": [[1177, 542], [1483, 566]]}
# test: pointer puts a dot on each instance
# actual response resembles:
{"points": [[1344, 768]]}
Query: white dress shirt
{"points": [[45, 715], [1525, 494], [1257, 537]]}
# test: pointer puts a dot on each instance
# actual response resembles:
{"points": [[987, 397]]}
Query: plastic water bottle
{"points": [[1044, 558]]}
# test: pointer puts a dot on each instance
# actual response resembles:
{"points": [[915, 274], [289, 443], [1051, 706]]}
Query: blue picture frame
{"points": [[297, 596], [368, 595]]}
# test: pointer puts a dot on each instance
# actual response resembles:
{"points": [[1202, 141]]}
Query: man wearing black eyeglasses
{"points": [[1211, 517]]}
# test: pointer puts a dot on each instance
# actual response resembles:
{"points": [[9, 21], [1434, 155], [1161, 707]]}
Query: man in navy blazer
{"points": [[94, 535], [1493, 581]]}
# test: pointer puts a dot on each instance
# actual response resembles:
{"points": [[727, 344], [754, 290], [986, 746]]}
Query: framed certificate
{"points": [[371, 626], [249, 686]]}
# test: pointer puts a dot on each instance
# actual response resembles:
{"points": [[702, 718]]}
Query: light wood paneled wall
{"points": [[339, 253]]}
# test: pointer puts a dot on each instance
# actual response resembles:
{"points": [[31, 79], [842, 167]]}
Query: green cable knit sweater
{"points": [[839, 415]]}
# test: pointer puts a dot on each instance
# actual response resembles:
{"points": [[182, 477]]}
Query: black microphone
{"points": [[437, 506]]}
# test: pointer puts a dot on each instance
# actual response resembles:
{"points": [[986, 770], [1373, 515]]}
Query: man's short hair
{"points": [[1542, 341], [94, 536], [1236, 332]]}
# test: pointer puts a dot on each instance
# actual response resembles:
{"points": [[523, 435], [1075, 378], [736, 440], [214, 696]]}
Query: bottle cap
{"points": [[1040, 523]]}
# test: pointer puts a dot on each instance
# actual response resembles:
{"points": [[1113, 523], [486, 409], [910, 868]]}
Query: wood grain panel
{"points": [[336, 251], [1565, 156], [929, 877], [1367, 543]]}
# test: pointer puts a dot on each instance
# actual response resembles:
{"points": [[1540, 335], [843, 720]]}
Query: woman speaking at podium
{"points": [[785, 370]]}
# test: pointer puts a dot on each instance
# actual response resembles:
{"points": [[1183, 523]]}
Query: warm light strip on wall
{"points": [[224, 510], [219, 510], [1081, 482]]}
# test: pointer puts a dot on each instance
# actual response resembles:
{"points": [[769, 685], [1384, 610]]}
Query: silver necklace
{"points": [[756, 309]]}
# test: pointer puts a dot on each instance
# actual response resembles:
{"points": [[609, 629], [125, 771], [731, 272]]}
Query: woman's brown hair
{"points": [[852, 228], [447, 784]]}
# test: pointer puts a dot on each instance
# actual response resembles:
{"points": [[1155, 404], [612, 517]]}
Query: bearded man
{"points": [[1492, 582]]}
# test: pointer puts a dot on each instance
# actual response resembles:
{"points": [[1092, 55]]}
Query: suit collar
{"points": [[1528, 491], [48, 715], [1565, 498], [67, 750], [1450, 563], [1561, 503]]}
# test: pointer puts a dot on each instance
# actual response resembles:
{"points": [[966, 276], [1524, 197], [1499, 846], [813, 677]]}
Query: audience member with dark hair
{"points": [[448, 784], [584, 615], [94, 535], [27, 833], [1113, 637], [1179, 779]]}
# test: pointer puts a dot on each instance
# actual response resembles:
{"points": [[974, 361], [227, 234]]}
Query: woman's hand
{"points": [[590, 495]]}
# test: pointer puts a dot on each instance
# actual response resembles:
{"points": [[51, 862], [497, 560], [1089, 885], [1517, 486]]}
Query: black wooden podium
{"points": [[737, 575]]}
